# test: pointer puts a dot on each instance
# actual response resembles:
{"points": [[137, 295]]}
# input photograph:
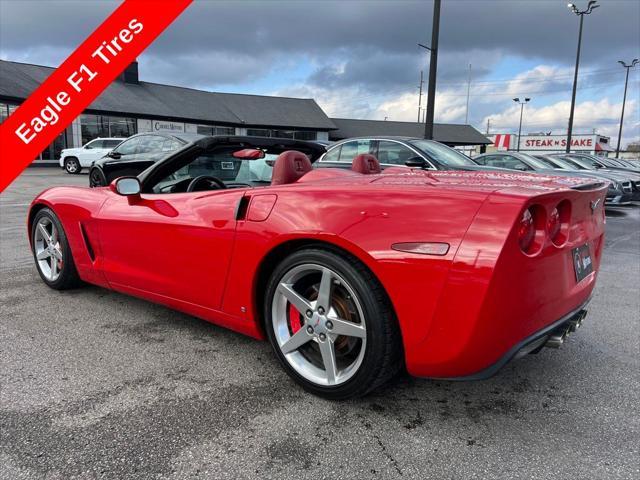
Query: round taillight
{"points": [[553, 224], [532, 229], [558, 223], [526, 231]]}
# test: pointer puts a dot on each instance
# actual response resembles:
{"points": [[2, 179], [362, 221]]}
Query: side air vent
{"points": [[243, 206], [87, 243]]}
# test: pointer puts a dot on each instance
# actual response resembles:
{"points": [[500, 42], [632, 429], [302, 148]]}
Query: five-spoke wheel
{"points": [[47, 249], [51, 251], [72, 165], [327, 317]]}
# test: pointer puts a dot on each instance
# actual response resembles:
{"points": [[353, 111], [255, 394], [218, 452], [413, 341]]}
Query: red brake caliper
{"points": [[294, 319]]}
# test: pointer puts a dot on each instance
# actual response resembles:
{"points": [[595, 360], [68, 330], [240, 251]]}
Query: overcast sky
{"points": [[360, 59]]}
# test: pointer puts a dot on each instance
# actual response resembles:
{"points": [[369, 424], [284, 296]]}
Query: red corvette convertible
{"points": [[350, 274]]}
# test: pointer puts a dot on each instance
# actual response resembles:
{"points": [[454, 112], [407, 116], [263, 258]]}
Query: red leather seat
{"points": [[366, 163], [289, 167]]}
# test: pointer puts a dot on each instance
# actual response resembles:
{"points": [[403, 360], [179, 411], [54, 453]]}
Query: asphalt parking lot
{"points": [[95, 384]]}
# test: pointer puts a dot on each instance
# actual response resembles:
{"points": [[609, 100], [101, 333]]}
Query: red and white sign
{"points": [[502, 141], [557, 142], [80, 79]]}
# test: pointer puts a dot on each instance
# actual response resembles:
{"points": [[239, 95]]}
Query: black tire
{"points": [[97, 178], [68, 277], [383, 357], [72, 165]]}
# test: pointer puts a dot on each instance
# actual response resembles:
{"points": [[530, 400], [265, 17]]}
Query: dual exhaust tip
{"points": [[558, 336]]}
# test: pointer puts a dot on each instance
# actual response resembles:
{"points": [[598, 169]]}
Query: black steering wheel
{"points": [[207, 181]]}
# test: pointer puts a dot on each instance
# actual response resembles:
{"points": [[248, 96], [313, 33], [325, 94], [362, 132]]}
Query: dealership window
{"points": [[53, 150], [215, 130], [94, 126], [6, 110], [256, 132], [297, 134]]}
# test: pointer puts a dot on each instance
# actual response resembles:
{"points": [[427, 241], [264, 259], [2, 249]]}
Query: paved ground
{"points": [[95, 384]]}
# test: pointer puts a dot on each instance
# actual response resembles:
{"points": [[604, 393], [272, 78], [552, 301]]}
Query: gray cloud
{"points": [[365, 49]]}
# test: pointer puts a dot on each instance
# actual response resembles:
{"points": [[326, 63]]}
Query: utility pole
{"points": [[420, 96], [624, 98], [466, 116], [488, 125], [517, 100], [590, 7], [433, 67]]}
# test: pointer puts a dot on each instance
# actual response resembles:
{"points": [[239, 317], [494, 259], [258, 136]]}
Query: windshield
{"points": [[536, 162], [223, 165], [545, 161], [442, 154], [581, 162], [566, 164]]}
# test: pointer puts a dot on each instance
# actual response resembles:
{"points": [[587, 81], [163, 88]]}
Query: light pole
{"points": [[624, 98], [433, 66], [517, 100], [590, 6]]}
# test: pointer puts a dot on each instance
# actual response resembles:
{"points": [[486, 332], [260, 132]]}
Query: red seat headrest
{"points": [[289, 167], [366, 163]]}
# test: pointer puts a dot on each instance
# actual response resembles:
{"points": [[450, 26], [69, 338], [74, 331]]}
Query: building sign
{"points": [[503, 141], [557, 142], [162, 126]]}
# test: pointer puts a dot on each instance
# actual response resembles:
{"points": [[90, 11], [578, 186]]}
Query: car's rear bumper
{"points": [[532, 343]]}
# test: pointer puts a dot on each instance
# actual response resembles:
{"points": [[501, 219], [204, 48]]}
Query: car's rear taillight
{"points": [[531, 229], [558, 223], [553, 223], [526, 230]]}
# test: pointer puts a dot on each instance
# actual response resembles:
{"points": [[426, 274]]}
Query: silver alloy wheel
{"points": [[47, 249], [308, 315], [72, 165]]}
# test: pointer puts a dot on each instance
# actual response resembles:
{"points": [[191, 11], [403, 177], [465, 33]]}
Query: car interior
{"points": [[235, 167]]}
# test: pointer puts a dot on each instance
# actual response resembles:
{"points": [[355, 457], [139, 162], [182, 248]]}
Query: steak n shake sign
{"points": [[591, 143], [557, 142]]}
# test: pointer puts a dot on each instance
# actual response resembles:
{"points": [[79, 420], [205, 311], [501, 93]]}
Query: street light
{"points": [[624, 98], [433, 66], [590, 7], [517, 100]]}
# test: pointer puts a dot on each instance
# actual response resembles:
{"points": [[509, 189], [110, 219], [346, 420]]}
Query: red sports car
{"points": [[350, 274]]}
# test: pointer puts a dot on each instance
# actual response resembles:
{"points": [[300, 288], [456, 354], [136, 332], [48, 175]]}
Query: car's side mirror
{"points": [[114, 155], [87, 147], [416, 162], [126, 186]]}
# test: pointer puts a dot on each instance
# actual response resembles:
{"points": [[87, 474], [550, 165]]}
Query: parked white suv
{"points": [[73, 160]]}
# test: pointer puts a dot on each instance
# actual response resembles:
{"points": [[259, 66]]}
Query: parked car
{"points": [[73, 160], [135, 154], [397, 151], [351, 276], [591, 163], [619, 192]]}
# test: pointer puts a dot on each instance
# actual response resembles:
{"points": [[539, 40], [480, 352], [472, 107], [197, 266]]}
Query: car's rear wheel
{"points": [[51, 252], [331, 324], [72, 165], [97, 178]]}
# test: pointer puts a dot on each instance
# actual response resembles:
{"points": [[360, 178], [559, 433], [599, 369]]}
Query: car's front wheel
{"points": [[51, 251], [97, 178], [72, 165], [331, 324]]}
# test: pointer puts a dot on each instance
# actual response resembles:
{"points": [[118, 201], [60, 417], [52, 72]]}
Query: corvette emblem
{"points": [[594, 205]]}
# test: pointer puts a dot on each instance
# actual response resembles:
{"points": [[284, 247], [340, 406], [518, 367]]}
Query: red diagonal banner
{"points": [[80, 79]]}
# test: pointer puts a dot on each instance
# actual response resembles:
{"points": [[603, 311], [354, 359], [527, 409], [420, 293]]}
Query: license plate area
{"points": [[582, 264]]}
